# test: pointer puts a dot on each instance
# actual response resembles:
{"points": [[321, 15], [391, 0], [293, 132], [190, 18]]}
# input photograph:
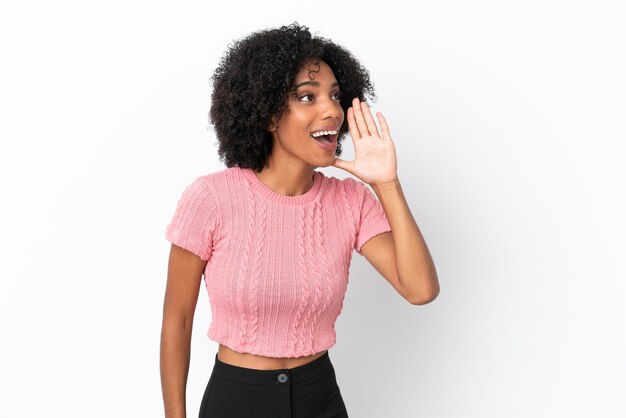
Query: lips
{"points": [[328, 127], [326, 138], [328, 146], [327, 142]]}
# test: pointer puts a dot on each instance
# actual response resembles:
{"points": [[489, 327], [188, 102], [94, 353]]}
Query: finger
{"points": [[354, 131], [344, 165], [383, 126], [358, 115], [371, 124]]}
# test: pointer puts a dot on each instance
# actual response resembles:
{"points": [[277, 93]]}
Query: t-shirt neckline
{"points": [[270, 194]]}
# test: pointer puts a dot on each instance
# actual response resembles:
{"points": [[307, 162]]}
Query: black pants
{"points": [[307, 391]]}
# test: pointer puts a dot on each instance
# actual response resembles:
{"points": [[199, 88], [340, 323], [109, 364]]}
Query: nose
{"points": [[330, 108]]}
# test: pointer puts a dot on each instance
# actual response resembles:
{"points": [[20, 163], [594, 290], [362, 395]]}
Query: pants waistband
{"points": [[272, 377]]}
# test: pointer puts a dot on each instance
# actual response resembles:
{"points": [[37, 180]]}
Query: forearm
{"points": [[416, 270], [175, 355]]}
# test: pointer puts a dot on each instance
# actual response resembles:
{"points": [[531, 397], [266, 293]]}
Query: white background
{"points": [[508, 120]]}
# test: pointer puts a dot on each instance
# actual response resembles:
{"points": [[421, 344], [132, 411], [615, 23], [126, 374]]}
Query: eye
{"points": [[337, 94]]}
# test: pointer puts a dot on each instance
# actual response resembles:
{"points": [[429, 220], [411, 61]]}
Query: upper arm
{"points": [[374, 238], [371, 217], [196, 219], [184, 276], [380, 252], [192, 231]]}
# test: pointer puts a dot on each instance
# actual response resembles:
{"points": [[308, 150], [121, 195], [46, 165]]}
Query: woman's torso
{"points": [[252, 361]]}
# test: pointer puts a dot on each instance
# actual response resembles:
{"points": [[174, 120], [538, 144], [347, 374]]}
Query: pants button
{"points": [[282, 377]]}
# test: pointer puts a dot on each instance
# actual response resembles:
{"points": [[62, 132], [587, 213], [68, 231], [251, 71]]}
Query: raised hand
{"points": [[375, 160]]}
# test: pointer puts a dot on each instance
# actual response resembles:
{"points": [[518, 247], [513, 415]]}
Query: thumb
{"points": [[343, 164]]}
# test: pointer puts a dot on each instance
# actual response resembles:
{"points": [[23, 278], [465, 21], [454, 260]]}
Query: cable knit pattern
{"points": [[277, 266], [304, 284]]}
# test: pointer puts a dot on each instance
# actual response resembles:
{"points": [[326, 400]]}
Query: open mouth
{"points": [[325, 138]]}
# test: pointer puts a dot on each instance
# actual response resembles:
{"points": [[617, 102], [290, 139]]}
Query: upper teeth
{"points": [[320, 133]]}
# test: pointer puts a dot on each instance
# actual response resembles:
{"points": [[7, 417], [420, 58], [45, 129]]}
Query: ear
{"points": [[273, 125]]}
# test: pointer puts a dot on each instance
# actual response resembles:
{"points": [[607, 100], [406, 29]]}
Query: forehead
{"points": [[315, 71]]}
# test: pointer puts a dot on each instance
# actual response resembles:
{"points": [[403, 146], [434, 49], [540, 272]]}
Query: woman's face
{"points": [[314, 107]]}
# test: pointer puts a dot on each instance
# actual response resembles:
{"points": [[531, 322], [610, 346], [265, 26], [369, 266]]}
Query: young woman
{"points": [[274, 237]]}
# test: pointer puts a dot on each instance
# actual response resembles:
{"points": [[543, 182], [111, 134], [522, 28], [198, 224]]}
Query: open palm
{"points": [[375, 159]]}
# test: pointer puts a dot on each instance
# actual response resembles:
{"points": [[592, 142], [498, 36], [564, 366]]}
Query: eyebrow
{"points": [[314, 83]]}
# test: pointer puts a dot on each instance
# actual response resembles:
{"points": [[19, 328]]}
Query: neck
{"points": [[287, 180]]}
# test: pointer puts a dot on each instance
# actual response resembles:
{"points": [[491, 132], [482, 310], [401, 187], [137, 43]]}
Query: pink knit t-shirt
{"points": [[277, 265]]}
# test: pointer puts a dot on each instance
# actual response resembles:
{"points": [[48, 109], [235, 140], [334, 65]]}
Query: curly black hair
{"points": [[255, 78]]}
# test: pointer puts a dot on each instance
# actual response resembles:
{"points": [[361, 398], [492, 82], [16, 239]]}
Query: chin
{"points": [[330, 163]]}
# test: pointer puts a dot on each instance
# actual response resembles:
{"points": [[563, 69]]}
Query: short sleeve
{"points": [[193, 225], [372, 218]]}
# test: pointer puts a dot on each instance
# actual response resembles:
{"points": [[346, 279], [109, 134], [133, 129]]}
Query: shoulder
{"points": [[347, 184], [220, 175], [203, 192], [212, 182], [225, 177], [350, 190], [353, 189]]}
